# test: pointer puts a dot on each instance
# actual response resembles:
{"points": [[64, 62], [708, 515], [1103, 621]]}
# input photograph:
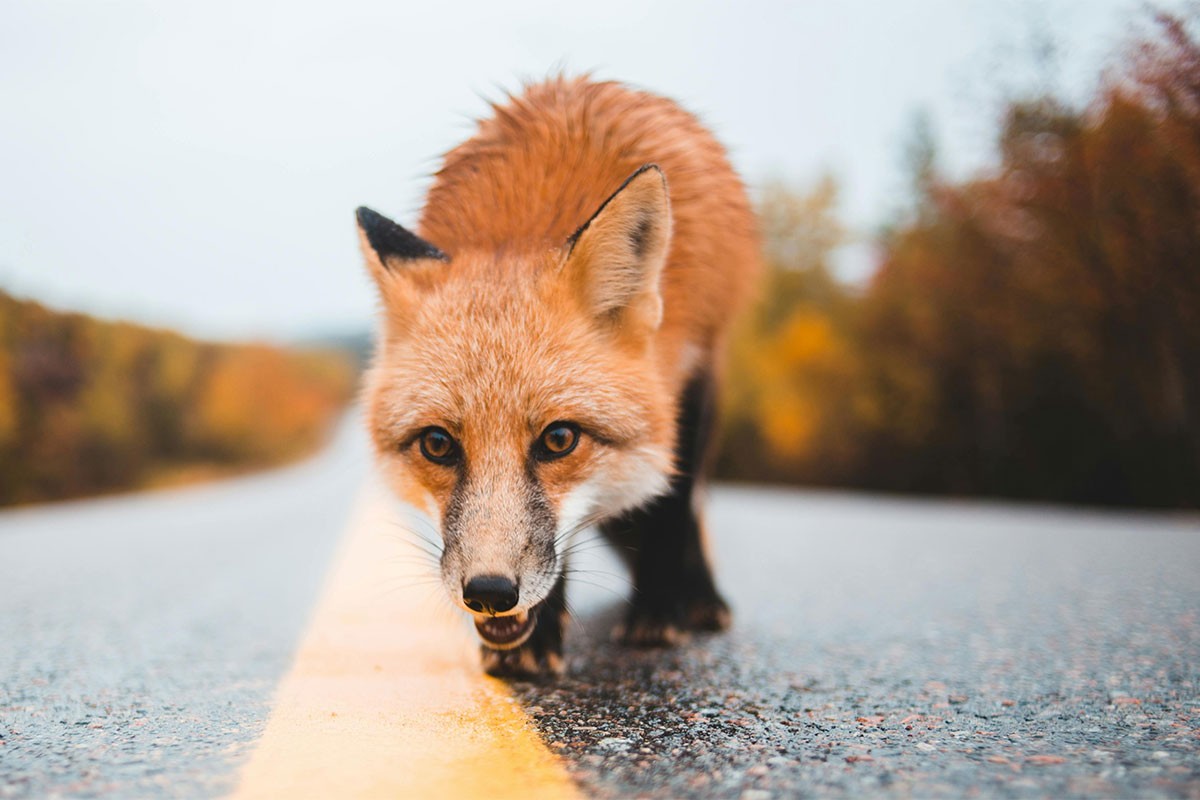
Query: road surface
{"points": [[907, 648], [141, 637], [881, 646]]}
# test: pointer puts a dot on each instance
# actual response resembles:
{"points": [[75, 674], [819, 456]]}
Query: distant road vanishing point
{"points": [[281, 635]]}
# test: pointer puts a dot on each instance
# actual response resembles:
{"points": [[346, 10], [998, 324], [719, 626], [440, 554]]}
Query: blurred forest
{"points": [[88, 406], [1031, 333]]}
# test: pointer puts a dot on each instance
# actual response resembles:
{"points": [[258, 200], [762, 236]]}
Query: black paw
{"points": [[708, 613], [666, 623], [646, 628]]}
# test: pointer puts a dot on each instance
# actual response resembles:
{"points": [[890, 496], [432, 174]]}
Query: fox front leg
{"points": [[674, 591]]}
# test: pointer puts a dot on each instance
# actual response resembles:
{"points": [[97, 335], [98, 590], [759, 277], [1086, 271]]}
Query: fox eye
{"points": [[557, 440], [439, 446]]}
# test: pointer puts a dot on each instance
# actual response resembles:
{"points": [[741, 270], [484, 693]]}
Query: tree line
{"points": [[1033, 332], [89, 406]]}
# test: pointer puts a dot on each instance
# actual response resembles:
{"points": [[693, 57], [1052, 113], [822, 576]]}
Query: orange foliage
{"points": [[793, 363], [1032, 333], [88, 406], [792, 383], [256, 405]]}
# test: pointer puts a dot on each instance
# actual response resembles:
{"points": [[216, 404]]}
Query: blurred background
{"points": [[982, 222]]}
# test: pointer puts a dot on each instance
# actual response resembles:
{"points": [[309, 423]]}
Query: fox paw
{"points": [[709, 614], [653, 626], [649, 630]]}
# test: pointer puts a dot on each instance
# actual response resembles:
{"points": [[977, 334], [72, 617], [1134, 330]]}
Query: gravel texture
{"points": [[141, 637], [901, 648]]}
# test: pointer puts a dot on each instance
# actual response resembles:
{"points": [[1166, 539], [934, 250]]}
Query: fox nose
{"points": [[490, 594]]}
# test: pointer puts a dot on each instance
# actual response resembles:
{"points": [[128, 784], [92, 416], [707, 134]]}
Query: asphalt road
{"points": [[141, 637], [880, 646], [903, 648]]}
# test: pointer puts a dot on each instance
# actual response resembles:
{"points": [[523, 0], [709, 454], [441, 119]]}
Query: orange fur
{"points": [[545, 162], [519, 327]]}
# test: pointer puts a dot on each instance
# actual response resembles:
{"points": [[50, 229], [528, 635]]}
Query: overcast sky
{"points": [[196, 165]]}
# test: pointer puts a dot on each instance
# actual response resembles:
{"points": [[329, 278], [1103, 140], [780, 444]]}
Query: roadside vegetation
{"points": [[88, 406], [1031, 333]]}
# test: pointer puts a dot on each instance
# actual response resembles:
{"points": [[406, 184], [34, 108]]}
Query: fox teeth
{"points": [[505, 632]]}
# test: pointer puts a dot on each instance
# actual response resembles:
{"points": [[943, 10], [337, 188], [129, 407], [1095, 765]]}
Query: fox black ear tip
{"points": [[389, 239]]}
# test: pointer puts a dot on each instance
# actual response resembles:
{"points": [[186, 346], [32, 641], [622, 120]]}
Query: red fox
{"points": [[549, 352]]}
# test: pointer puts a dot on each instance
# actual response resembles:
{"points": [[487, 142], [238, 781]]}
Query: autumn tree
{"points": [[1033, 332], [89, 406]]}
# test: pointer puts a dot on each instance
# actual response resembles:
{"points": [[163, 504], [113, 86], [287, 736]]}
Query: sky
{"points": [[196, 165]]}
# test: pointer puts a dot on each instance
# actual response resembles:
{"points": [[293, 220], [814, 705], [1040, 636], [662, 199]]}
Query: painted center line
{"points": [[386, 697]]}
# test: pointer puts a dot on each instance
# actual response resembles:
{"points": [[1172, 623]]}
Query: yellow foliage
{"points": [[258, 401], [789, 424], [8, 402], [795, 400], [792, 364], [87, 406], [1033, 332]]}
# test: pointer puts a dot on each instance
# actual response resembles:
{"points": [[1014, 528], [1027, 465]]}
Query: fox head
{"points": [[514, 395]]}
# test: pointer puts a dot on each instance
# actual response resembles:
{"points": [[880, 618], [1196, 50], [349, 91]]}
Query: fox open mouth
{"points": [[504, 633]]}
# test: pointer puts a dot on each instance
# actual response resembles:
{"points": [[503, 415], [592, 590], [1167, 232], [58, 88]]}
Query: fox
{"points": [[548, 357]]}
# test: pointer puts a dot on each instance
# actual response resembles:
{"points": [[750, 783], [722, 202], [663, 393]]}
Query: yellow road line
{"points": [[386, 698]]}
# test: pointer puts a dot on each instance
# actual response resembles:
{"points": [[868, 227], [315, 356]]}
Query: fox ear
{"points": [[387, 246], [615, 260]]}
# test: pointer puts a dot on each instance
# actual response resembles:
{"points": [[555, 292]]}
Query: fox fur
{"points": [[571, 282]]}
